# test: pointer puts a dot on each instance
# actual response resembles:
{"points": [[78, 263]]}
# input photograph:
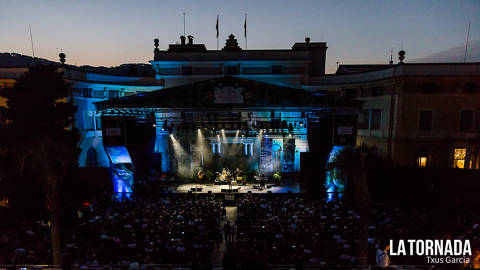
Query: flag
{"points": [[217, 26], [245, 26]]}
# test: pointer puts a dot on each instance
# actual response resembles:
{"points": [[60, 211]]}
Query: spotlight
{"points": [[154, 125]]}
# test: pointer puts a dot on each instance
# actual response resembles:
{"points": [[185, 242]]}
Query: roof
{"points": [[350, 69], [398, 71], [227, 93]]}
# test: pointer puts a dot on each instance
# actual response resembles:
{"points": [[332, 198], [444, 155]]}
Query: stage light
{"points": [[154, 125]]}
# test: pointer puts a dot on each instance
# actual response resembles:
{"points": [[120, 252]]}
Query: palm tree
{"points": [[352, 165], [40, 137]]}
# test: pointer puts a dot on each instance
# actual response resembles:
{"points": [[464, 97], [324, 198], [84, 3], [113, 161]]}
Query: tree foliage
{"points": [[40, 139]]}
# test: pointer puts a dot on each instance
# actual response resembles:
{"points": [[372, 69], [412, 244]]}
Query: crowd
{"points": [[293, 229], [299, 230], [161, 230]]}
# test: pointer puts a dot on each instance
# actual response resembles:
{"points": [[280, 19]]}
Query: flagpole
{"points": [[217, 31], [183, 23], [245, 28]]}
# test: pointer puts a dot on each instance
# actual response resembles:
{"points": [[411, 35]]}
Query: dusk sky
{"points": [[110, 33]]}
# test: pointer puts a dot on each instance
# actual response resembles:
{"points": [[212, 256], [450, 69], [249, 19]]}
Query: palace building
{"points": [[425, 115], [270, 111], [248, 106]]}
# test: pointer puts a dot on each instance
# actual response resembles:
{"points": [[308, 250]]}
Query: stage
{"points": [[205, 188]]}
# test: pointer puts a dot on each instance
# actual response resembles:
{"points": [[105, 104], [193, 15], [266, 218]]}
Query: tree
{"points": [[39, 137], [353, 165]]}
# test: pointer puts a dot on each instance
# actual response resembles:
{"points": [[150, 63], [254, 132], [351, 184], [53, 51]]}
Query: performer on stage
{"points": [[200, 175]]}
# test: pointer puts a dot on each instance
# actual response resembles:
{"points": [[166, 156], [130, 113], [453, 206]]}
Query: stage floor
{"points": [[185, 188]]}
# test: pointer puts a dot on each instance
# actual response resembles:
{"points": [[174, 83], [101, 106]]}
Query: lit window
{"points": [[459, 156], [422, 161]]}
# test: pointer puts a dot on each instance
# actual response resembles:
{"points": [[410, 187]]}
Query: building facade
{"points": [[187, 62], [415, 114], [88, 88]]}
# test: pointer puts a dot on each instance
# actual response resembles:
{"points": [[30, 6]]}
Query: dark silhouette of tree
{"points": [[40, 139], [353, 166]]}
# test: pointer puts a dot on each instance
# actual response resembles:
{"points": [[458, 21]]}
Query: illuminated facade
{"points": [[228, 122], [88, 88]]}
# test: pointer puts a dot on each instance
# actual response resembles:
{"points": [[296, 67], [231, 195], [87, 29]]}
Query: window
{"points": [[276, 69], [364, 119], [470, 88], [428, 88], [466, 120], [422, 161], [187, 70], [459, 156], [113, 94], [376, 119], [231, 70], [88, 119], [98, 122], [87, 92], [98, 94], [425, 121], [350, 93], [377, 91]]}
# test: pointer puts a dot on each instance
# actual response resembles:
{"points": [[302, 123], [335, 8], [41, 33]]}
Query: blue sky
{"points": [[114, 32]]}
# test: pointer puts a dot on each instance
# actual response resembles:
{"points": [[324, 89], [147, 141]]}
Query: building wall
{"points": [[444, 89], [446, 100]]}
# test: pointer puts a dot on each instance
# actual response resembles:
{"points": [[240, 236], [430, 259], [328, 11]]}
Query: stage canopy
{"points": [[226, 93], [227, 122]]}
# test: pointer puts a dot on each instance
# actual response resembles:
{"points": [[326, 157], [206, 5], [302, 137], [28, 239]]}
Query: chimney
{"points": [[190, 40], [182, 40]]}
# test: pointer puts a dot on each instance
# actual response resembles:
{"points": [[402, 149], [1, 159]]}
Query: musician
{"points": [[200, 175], [263, 180]]}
